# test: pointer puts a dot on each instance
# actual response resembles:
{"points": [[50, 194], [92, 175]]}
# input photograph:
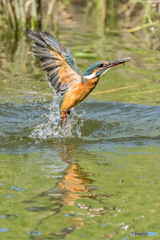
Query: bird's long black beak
{"points": [[117, 62]]}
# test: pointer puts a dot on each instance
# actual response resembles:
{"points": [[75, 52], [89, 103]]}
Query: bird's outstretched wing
{"points": [[57, 61]]}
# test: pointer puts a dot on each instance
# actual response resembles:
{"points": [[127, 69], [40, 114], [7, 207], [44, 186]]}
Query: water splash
{"points": [[52, 129]]}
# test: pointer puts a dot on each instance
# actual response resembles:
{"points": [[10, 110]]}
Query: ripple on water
{"points": [[93, 121], [118, 123], [4, 230], [17, 189], [34, 232]]}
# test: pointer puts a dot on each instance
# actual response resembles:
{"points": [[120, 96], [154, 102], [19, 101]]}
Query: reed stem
{"points": [[33, 15], [100, 12], [49, 12]]}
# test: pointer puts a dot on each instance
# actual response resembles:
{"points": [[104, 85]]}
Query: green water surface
{"points": [[98, 176]]}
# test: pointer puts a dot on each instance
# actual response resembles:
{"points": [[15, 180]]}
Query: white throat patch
{"points": [[93, 74], [90, 76]]}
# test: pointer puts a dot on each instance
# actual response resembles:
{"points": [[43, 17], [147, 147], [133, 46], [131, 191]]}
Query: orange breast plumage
{"points": [[77, 94]]}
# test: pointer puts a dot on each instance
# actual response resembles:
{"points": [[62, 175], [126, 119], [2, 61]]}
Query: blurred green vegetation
{"points": [[133, 14], [138, 17]]}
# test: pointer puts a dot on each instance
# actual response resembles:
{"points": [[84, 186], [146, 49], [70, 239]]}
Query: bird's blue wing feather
{"points": [[57, 61], [62, 50]]}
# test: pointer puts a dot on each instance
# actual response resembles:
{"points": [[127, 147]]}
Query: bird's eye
{"points": [[101, 65]]}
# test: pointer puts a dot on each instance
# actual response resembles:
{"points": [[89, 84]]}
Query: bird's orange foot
{"points": [[63, 118]]}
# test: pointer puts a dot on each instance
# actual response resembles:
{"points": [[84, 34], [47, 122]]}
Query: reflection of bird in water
{"points": [[61, 209], [63, 72], [62, 202]]}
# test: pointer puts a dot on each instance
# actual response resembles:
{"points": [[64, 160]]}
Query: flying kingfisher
{"points": [[63, 73]]}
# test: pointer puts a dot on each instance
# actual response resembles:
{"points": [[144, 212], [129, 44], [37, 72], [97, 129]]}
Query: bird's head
{"points": [[97, 69]]}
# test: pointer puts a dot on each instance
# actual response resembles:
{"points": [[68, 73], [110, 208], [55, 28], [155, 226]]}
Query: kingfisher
{"points": [[63, 73]]}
